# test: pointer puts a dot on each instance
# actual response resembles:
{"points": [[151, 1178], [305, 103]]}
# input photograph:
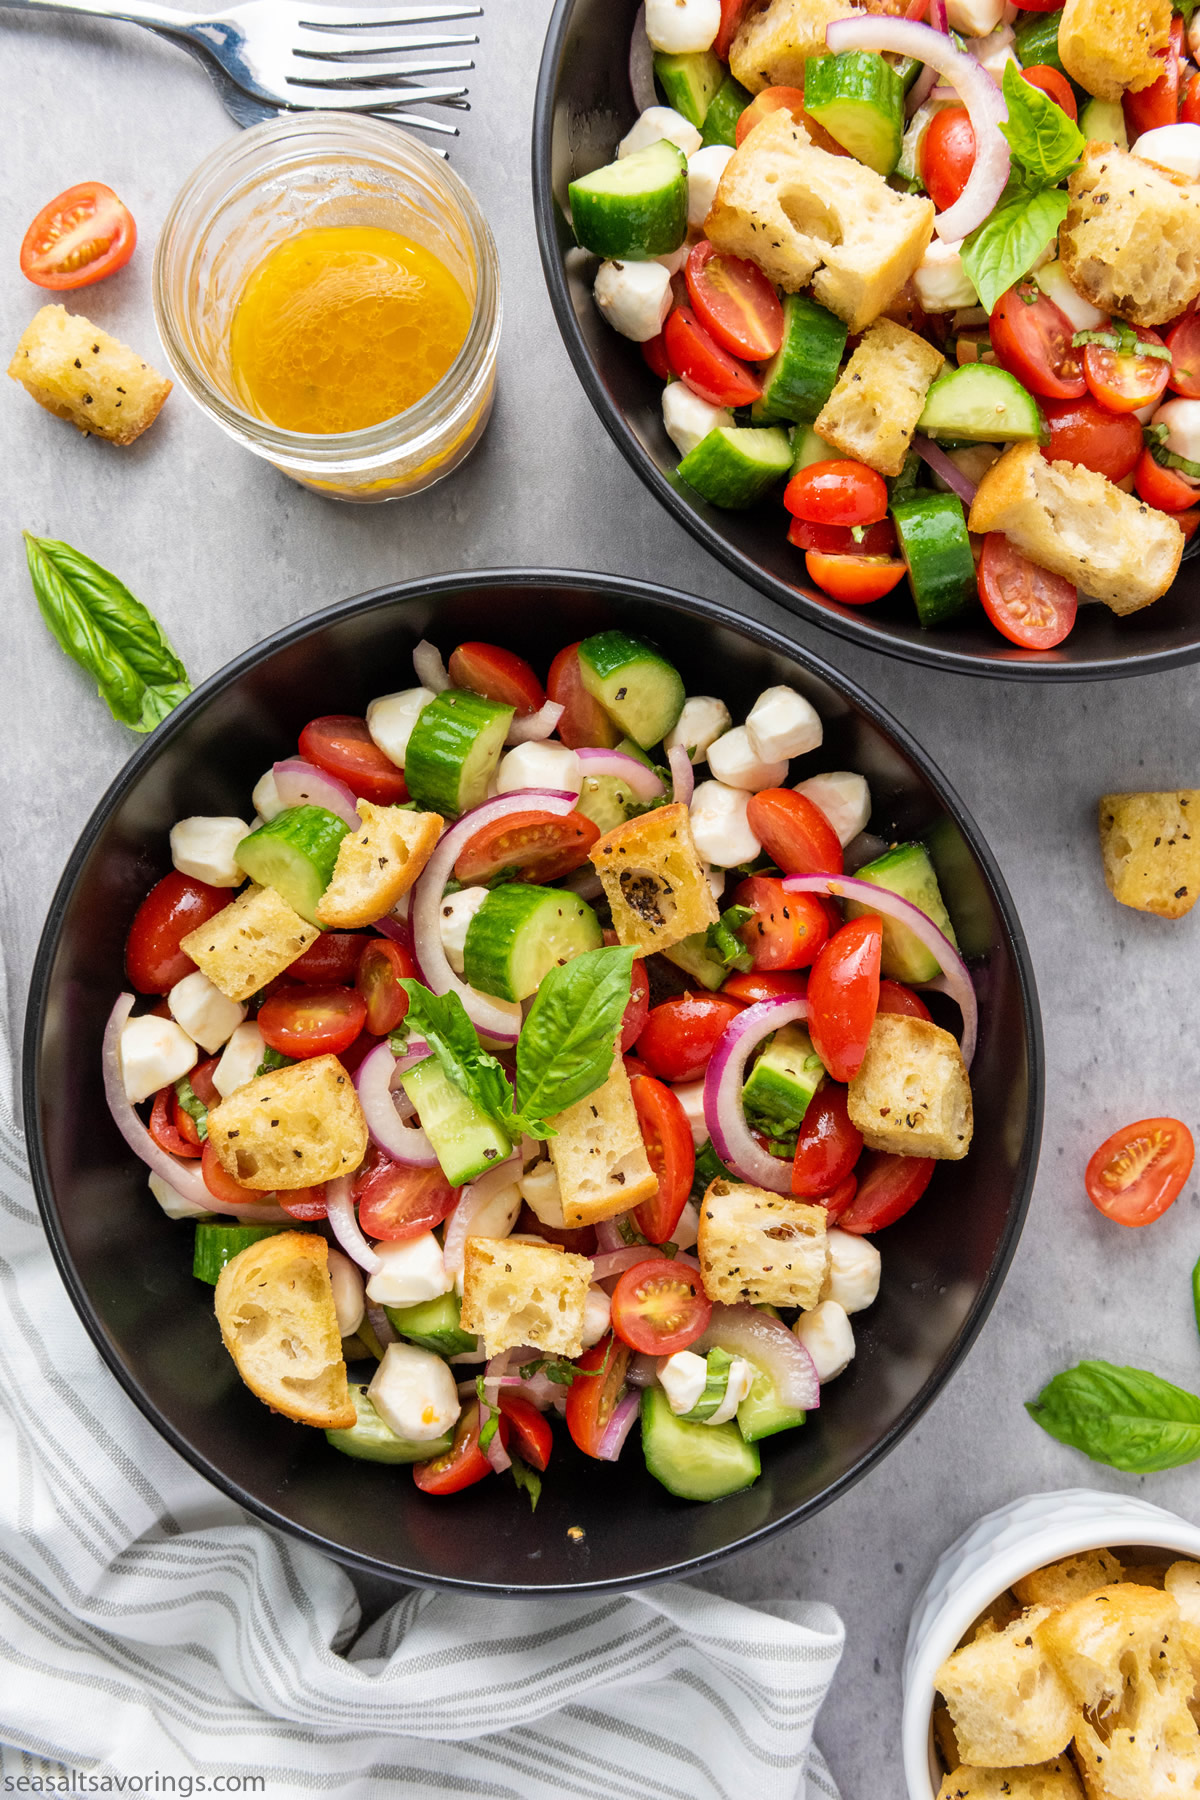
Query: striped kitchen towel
{"points": [[155, 1640]]}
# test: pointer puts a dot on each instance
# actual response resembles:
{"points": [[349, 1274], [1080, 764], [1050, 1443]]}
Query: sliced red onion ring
{"points": [[975, 88], [618, 1428], [539, 1390], [955, 974], [429, 668], [731, 1137], [339, 1210], [300, 783], [493, 1375], [536, 726], [374, 1079], [608, 1235], [770, 1346], [920, 91], [615, 1262], [399, 930], [641, 65], [683, 776], [942, 465], [937, 16], [471, 1203], [642, 782], [496, 1454], [380, 1324]]}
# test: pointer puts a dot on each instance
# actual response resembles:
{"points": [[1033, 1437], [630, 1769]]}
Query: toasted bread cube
{"points": [[1182, 1582], [1151, 852], [773, 42], [912, 1093], [1059, 1583], [805, 216], [1130, 242], [1151, 1575], [278, 1320], [1009, 1704], [1055, 1780], [81, 374], [377, 864], [654, 880], [758, 1246], [1079, 525], [880, 394], [599, 1154], [944, 1739], [524, 1293], [290, 1128], [997, 1616], [1109, 46], [249, 942]]}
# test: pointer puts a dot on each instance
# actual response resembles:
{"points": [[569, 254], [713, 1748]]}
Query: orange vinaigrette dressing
{"points": [[343, 326]]}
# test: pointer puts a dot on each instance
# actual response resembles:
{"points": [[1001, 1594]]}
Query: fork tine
{"points": [[382, 17], [393, 115], [370, 99], [322, 69], [324, 41]]}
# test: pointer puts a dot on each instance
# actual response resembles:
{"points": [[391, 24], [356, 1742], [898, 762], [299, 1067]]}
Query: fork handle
{"points": [[137, 12]]}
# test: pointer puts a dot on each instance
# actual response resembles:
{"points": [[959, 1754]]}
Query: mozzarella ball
{"points": [[656, 123], [741, 1380], [176, 1206], [240, 1059], [942, 283], [205, 1013], [265, 796], [539, 765], [539, 1189], [1056, 284], [391, 718], [688, 1229], [705, 169], [1182, 420], [413, 1271], [415, 1394], [781, 724], [736, 760], [673, 260], [690, 1095], [635, 297], [683, 1377], [704, 718], [974, 18], [828, 1336], [687, 420], [719, 827], [993, 51], [854, 1268], [681, 26], [455, 913], [204, 849], [1174, 147], [154, 1053], [349, 1301], [597, 1314], [716, 879], [845, 799]]}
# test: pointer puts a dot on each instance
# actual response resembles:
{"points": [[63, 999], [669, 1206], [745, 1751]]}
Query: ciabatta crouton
{"points": [[1151, 1575], [912, 1095], [1130, 242], [654, 880], [1150, 844], [943, 1735], [249, 942], [758, 1246], [377, 864], [1108, 46], [1182, 1582], [1009, 1704], [275, 1308], [291, 1127], [1059, 1583], [599, 1154], [873, 410], [1077, 524], [1055, 1780], [774, 41], [998, 1615], [523, 1293], [81, 374]]}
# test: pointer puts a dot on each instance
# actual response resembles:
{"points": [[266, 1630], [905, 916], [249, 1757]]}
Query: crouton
{"points": [[805, 216], [278, 1321], [377, 864], [290, 1128], [1055, 1780], [1150, 845], [654, 880], [1077, 524], [997, 1616], [944, 1739], [912, 1095], [81, 374], [1009, 1704], [1130, 242], [758, 1246], [774, 41], [519, 1293], [1108, 46], [1182, 1582], [249, 942], [1059, 1583], [873, 411], [1151, 1575], [599, 1155]]}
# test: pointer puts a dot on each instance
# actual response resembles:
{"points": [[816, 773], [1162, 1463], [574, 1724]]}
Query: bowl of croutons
{"points": [[1055, 1654]]}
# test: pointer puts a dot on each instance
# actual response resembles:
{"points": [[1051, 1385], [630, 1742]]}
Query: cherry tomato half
{"points": [[734, 301], [1125, 383], [1029, 605], [222, 1186], [464, 1463], [1166, 489], [201, 1081], [888, 1186], [638, 1010], [766, 984], [838, 1202], [1053, 84], [331, 962], [396, 1202], [654, 354], [1083, 431], [534, 1438], [947, 155], [536, 846], [708, 370], [1157, 104], [680, 1034], [787, 930], [772, 99], [837, 492], [167, 1134], [795, 833], [1183, 341], [854, 580], [174, 906], [894, 997], [732, 14], [660, 1307], [1189, 106], [594, 1393], [79, 237], [498, 675], [309, 1021], [1139, 1171], [839, 540], [307, 1204], [671, 1153], [828, 1144], [843, 995], [1031, 337], [584, 723], [342, 746], [382, 967]]}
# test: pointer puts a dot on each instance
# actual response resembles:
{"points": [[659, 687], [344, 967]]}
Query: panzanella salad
{"points": [[931, 279], [509, 1071]]}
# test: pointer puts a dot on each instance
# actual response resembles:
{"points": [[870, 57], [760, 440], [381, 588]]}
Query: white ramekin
{"points": [[995, 1552]]}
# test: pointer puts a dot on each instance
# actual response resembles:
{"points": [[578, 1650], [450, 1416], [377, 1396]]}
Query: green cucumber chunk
{"points": [[735, 465], [982, 403], [859, 99], [522, 931], [453, 751], [1105, 120], [690, 80], [634, 208], [605, 800], [1037, 40], [906, 870], [934, 543], [696, 957], [218, 1244], [370, 1440], [465, 1139], [800, 376], [695, 1462], [782, 1082], [808, 448], [433, 1325], [640, 690], [720, 121], [760, 1414], [295, 853]]}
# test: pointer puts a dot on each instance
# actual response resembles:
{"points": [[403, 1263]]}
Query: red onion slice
{"points": [[429, 668], [471, 1203], [770, 1346], [920, 91], [615, 1262], [683, 776], [496, 1454], [618, 1428], [536, 726], [642, 782], [380, 1324], [399, 930], [339, 1210], [641, 65], [301, 783], [608, 1235], [493, 1376], [731, 1137], [374, 1079], [942, 465]]}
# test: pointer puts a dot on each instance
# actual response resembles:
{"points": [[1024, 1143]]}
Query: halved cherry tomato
{"points": [[660, 1307], [1183, 341], [396, 1202], [734, 301], [1032, 340], [534, 1437], [887, 1187], [894, 997], [654, 353], [581, 1239], [1052, 83], [536, 846], [843, 995], [787, 930], [594, 1393], [854, 580], [838, 1202], [165, 1132], [638, 1010], [201, 1081], [584, 723], [1189, 107], [1037, 5], [947, 155], [1125, 383], [307, 1204], [1140, 1170], [1166, 489], [795, 833], [464, 1463], [765, 984], [173, 907], [222, 1186], [732, 14], [839, 540], [383, 966], [634, 1066], [1157, 104], [708, 370], [671, 1153], [498, 675], [1188, 523], [304, 1021], [79, 237], [680, 1034], [838, 491], [342, 746], [332, 961], [1083, 431], [828, 1144], [772, 99], [1025, 602]]}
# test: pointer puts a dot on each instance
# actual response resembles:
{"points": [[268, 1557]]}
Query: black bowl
{"points": [[584, 107], [127, 1267]]}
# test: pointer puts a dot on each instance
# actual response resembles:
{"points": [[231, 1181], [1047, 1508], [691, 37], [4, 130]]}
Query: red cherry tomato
{"points": [[1188, 522], [837, 492], [1029, 605], [79, 237], [1083, 431], [538, 846], [383, 966], [580, 1239], [671, 1153], [584, 724], [1166, 489], [201, 1081], [828, 1145], [396, 1202], [732, 14], [1032, 340], [734, 301], [765, 985], [1189, 109], [634, 1066], [304, 1021], [854, 580], [306, 1204], [593, 1395], [843, 995], [838, 1202], [531, 1429], [659, 1307], [222, 1186], [638, 1010], [498, 675], [894, 997], [1037, 5], [1125, 383], [1183, 341], [1140, 1170], [167, 1134], [795, 833], [680, 1035], [332, 961], [342, 746], [1157, 104], [772, 99], [787, 930], [173, 907], [464, 1463], [708, 370], [887, 1187], [654, 353], [839, 540], [947, 155], [1051, 82]]}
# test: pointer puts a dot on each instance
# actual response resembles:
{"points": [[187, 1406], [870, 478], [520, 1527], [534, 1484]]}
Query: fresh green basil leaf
{"points": [[709, 1168], [1196, 1294], [97, 621], [722, 939], [1128, 1418], [441, 1019], [1006, 246], [528, 1479], [1041, 137], [191, 1103], [1185, 9], [568, 1041], [273, 1059]]}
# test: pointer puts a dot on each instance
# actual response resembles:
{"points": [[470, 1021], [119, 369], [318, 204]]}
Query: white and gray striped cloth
{"points": [[153, 1634]]}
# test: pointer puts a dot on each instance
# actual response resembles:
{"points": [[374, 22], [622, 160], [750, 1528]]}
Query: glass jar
{"points": [[326, 169]]}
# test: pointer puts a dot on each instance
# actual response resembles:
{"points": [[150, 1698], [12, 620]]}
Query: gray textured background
{"points": [[226, 551]]}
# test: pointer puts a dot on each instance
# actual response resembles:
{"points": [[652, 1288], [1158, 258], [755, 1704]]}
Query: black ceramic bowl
{"points": [[127, 1267], [584, 107]]}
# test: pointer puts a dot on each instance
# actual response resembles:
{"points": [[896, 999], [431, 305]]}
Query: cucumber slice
{"points": [[984, 404], [605, 800], [859, 99], [735, 465], [695, 1462], [1105, 120], [627, 747], [453, 751], [808, 448], [465, 1140], [635, 208], [906, 870], [696, 958], [370, 1440], [783, 1081], [1037, 40], [519, 933], [720, 121], [690, 80], [433, 1325], [639, 690], [295, 853], [934, 543], [760, 1415], [218, 1244], [800, 376]]}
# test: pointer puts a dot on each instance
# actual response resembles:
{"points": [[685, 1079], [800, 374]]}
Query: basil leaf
{"points": [[709, 1168], [97, 621], [273, 1059], [529, 1479], [1128, 1418], [1040, 135], [722, 939], [191, 1103], [566, 1047], [441, 1019], [1007, 245], [1196, 1294]]}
